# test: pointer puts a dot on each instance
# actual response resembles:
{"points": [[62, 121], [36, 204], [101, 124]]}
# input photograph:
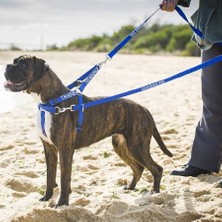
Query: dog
{"points": [[130, 125]]}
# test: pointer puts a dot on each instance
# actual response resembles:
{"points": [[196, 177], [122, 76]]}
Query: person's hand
{"points": [[168, 5]]}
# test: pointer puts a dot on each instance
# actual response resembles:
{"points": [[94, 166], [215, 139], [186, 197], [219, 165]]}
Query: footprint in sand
{"points": [[170, 131], [19, 194], [30, 151], [8, 147], [82, 202], [20, 185], [90, 157], [28, 174], [4, 164]]}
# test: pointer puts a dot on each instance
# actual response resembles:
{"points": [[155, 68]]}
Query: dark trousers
{"points": [[207, 146]]}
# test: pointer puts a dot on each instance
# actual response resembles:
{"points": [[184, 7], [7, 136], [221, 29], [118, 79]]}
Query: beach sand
{"points": [[98, 175]]}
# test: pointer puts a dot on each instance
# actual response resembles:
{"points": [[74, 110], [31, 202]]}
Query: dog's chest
{"points": [[47, 122], [47, 126]]}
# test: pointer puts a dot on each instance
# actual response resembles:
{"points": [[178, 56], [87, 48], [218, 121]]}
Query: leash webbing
{"points": [[87, 77], [130, 36], [149, 86], [140, 89], [83, 81]]}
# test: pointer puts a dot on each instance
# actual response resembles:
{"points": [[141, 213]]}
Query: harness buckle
{"points": [[58, 110], [107, 58], [82, 108], [71, 108], [62, 109]]}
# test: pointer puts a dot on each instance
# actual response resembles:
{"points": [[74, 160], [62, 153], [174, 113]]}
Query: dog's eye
{"points": [[23, 66]]}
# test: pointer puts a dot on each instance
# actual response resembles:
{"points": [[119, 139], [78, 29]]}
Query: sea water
{"points": [[8, 100]]}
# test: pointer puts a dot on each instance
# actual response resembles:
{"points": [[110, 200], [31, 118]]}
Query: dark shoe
{"points": [[188, 170], [219, 183]]}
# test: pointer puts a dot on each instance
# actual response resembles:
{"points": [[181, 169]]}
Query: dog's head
{"points": [[24, 73]]}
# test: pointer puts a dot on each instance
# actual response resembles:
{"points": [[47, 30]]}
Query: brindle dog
{"points": [[130, 125]]}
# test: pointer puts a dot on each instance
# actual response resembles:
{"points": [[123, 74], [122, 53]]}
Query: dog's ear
{"points": [[16, 60], [40, 68]]}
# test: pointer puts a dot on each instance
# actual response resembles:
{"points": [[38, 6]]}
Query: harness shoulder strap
{"points": [[80, 113]]}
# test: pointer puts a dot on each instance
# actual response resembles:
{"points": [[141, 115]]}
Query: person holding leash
{"points": [[206, 153]]}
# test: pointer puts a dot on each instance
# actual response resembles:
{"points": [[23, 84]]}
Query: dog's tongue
{"points": [[8, 83]]}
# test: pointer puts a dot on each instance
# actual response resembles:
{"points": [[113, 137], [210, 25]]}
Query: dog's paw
{"points": [[129, 187], [62, 202], [46, 197], [154, 191]]}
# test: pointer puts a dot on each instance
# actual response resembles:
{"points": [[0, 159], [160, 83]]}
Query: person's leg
{"points": [[207, 146]]}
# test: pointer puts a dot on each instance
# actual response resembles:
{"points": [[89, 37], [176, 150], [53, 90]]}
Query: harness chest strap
{"points": [[51, 108], [42, 115]]}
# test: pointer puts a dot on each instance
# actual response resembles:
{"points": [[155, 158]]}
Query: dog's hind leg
{"points": [[140, 153], [137, 172], [51, 155], [120, 147], [156, 171]]}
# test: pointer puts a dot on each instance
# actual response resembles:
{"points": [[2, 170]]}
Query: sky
{"points": [[35, 24]]}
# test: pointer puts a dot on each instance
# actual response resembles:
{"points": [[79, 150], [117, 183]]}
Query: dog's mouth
{"points": [[15, 86]]}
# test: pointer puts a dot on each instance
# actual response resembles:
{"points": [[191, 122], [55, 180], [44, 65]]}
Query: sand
{"points": [[98, 175]]}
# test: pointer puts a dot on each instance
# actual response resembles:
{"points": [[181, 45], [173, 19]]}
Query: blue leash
{"points": [[129, 37], [86, 77], [133, 91], [83, 81]]}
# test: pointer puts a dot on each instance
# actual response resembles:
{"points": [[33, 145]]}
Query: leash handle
{"points": [[195, 30]]}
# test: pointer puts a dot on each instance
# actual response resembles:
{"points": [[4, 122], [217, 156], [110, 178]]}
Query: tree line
{"points": [[167, 38]]}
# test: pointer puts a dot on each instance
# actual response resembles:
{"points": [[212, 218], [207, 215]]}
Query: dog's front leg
{"points": [[66, 157], [51, 155]]}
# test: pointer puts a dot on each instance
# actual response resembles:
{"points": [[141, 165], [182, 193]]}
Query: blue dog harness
{"points": [[77, 87]]}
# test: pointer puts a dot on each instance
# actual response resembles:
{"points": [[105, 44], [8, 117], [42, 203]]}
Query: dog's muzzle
{"points": [[14, 82]]}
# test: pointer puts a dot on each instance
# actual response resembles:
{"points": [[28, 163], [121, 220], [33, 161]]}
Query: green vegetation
{"points": [[41, 191], [174, 39], [14, 48], [154, 39]]}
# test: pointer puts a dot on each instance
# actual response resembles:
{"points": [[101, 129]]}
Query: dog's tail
{"points": [[159, 140]]}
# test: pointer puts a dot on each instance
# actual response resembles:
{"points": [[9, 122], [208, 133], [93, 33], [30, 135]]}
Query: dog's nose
{"points": [[6, 75], [9, 67]]}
